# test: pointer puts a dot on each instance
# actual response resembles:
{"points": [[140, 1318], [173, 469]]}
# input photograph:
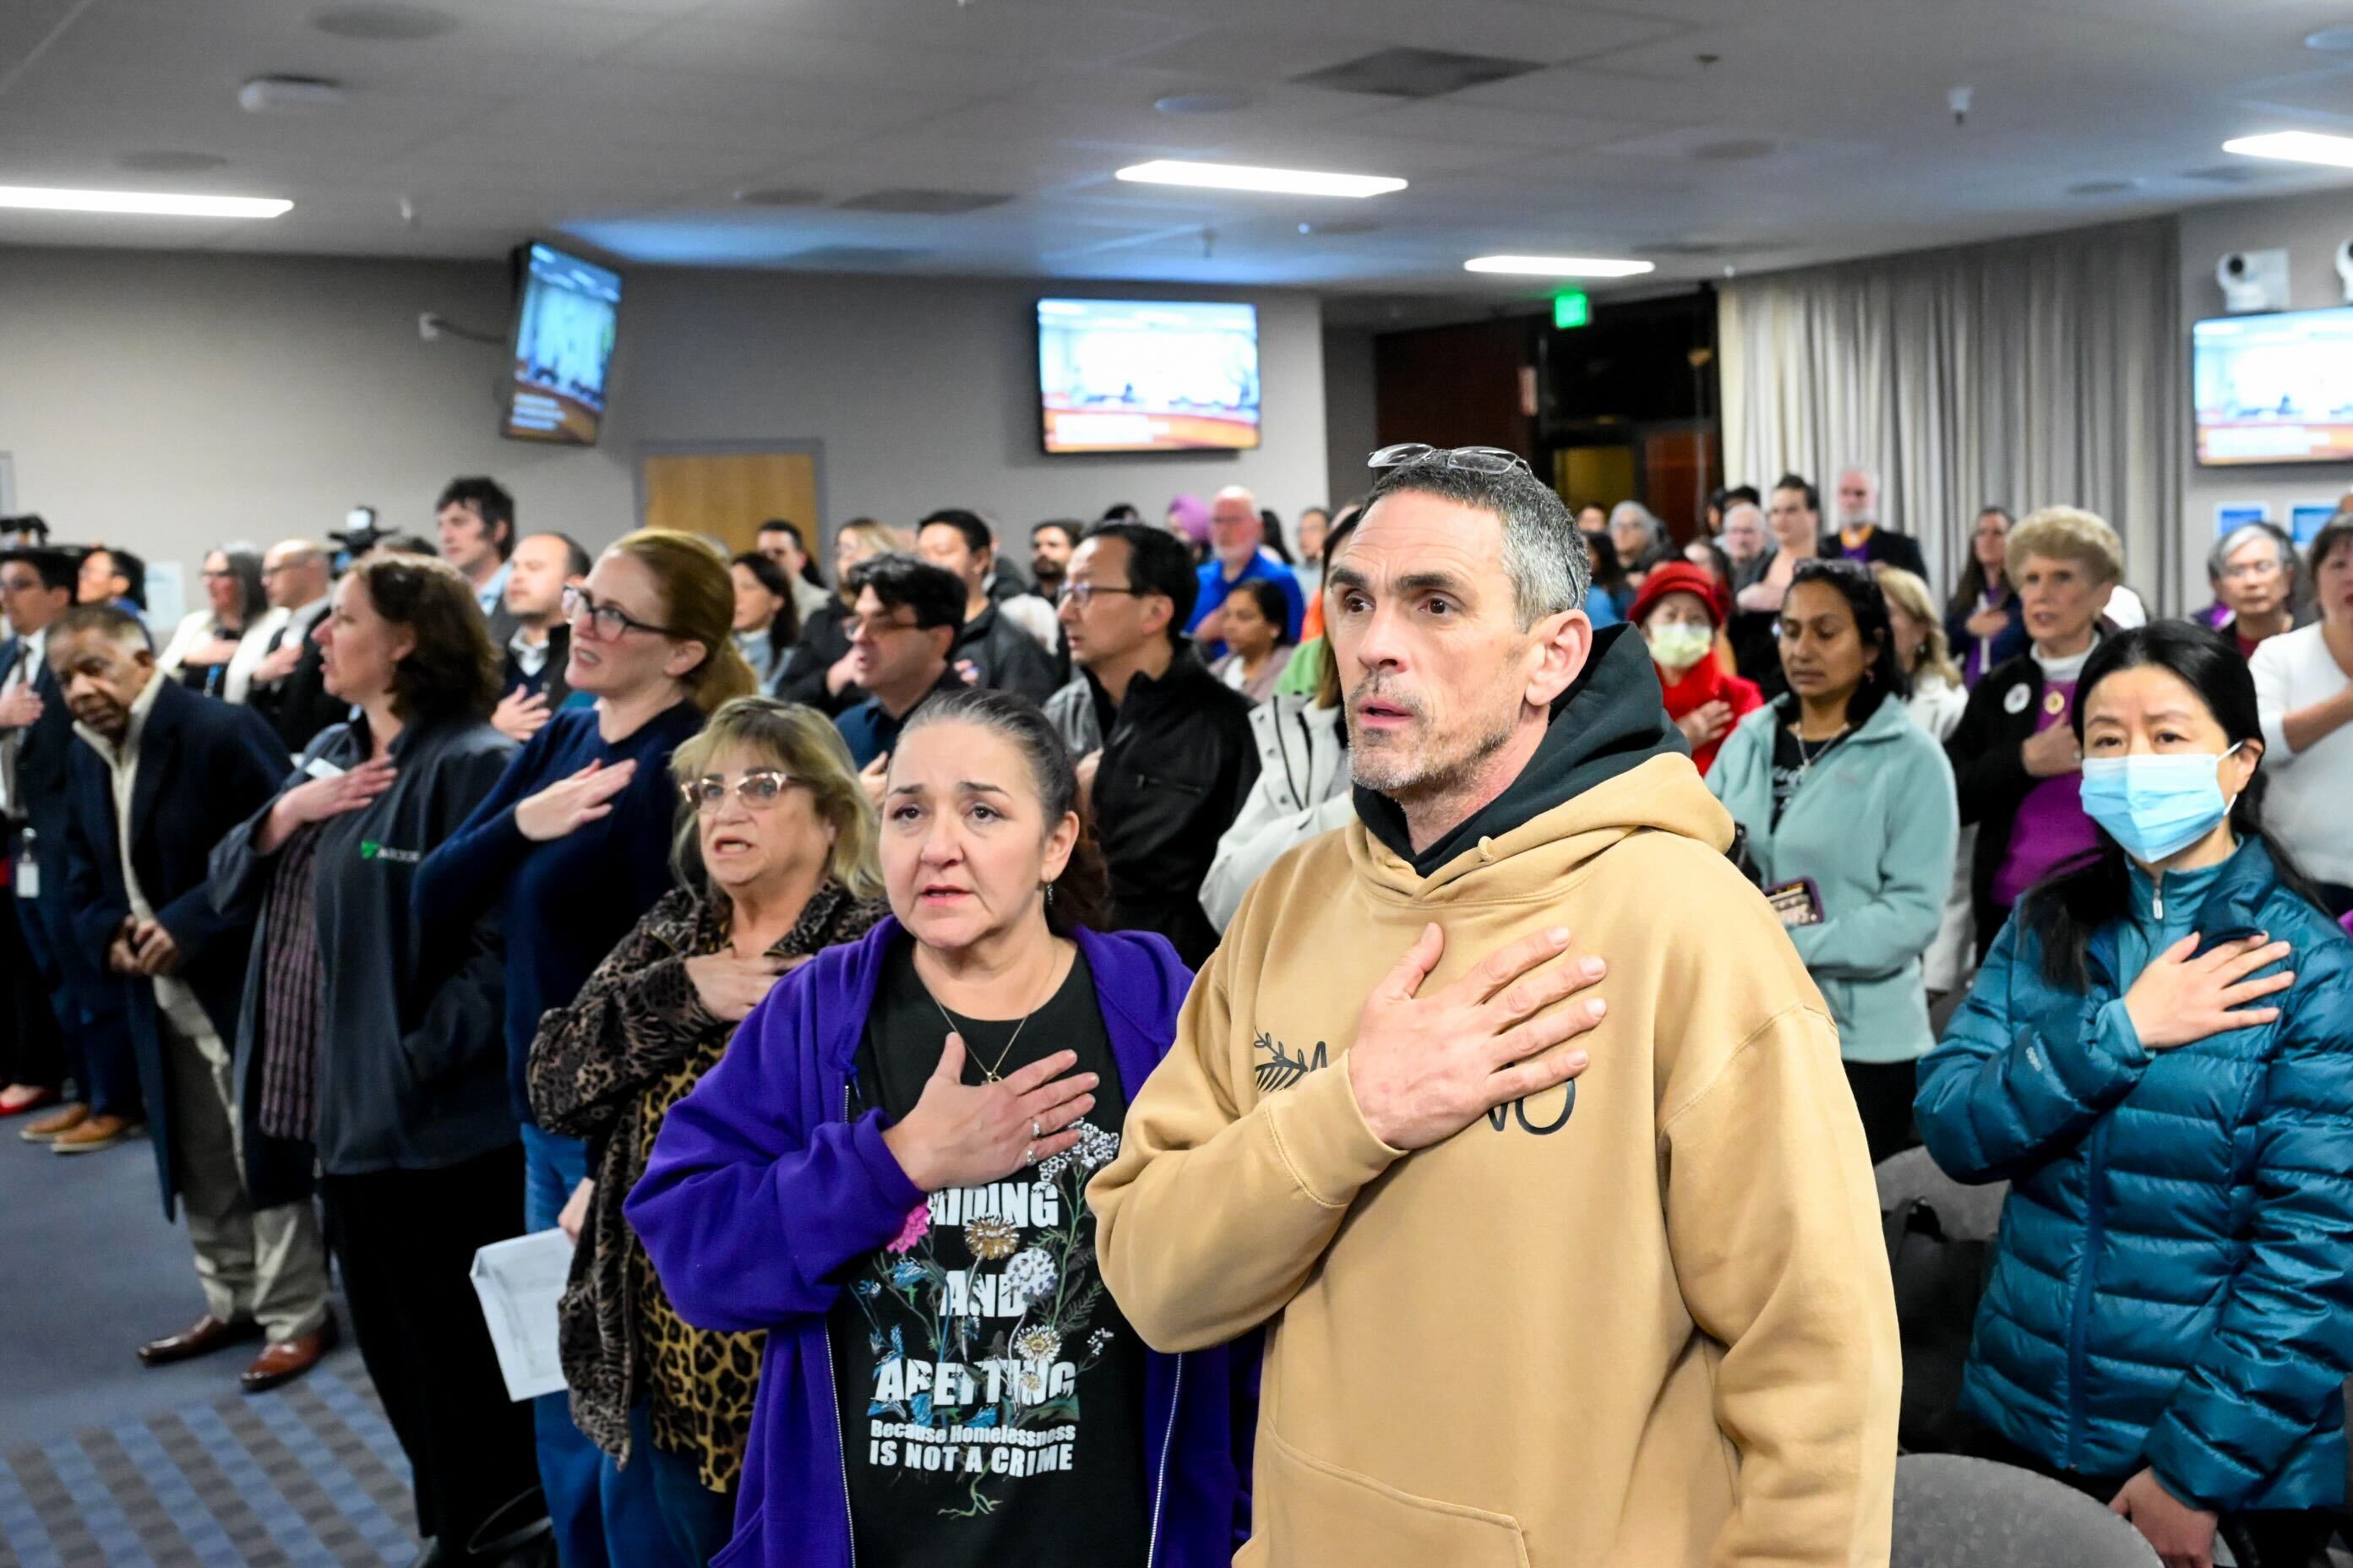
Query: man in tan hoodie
{"points": [[1551, 1273]]}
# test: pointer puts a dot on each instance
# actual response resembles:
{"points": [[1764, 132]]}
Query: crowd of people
{"points": [[982, 1089]]}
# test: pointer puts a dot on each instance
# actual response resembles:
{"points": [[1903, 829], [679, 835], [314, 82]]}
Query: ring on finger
{"points": [[1036, 1131], [1030, 1155]]}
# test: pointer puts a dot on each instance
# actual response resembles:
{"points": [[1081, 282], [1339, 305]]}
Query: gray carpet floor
{"points": [[104, 1461]]}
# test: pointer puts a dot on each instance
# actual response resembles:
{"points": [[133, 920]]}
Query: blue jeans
{"points": [[701, 1521], [605, 1517]]}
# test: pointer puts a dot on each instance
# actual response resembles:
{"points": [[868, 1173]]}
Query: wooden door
{"points": [[727, 495]]}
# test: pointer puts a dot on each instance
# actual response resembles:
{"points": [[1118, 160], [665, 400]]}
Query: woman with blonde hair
{"points": [[574, 845], [776, 863], [1938, 697], [2015, 760], [816, 670]]}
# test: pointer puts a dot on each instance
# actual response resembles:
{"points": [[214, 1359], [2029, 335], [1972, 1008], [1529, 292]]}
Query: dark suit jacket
{"points": [[204, 767], [300, 706], [549, 682], [43, 757], [1895, 549]]}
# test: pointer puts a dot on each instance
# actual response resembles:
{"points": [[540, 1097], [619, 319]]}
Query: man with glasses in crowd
{"points": [[1237, 532], [2253, 571], [290, 685], [1531, 1309], [903, 623], [1166, 757]]}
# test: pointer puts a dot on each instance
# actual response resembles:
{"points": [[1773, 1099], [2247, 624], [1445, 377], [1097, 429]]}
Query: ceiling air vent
{"points": [[926, 204], [1415, 73], [856, 257]]}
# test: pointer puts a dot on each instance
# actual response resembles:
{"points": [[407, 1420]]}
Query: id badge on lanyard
{"points": [[27, 876]]}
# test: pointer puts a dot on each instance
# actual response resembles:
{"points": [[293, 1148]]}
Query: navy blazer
{"points": [[205, 767], [43, 760]]}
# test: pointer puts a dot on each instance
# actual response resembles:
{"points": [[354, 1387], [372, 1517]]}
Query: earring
{"points": [[1049, 895]]}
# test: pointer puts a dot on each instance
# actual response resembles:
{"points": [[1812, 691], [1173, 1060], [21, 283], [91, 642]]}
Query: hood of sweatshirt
{"points": [[1609, 729]]}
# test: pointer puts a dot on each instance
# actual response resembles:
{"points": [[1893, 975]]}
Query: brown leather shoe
{"points": [[207, 1335], [46, 1129], [289, 1359], [94, 1133]]}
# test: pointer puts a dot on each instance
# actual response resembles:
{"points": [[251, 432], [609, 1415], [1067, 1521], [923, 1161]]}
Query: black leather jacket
{"points": [[1178, 761]]}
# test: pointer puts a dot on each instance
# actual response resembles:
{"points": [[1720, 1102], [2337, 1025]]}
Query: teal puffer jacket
{"points": [[2173, 1285]]}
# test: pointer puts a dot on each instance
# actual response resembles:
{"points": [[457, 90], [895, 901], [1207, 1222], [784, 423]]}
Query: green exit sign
{"points": [[1571, 310]]}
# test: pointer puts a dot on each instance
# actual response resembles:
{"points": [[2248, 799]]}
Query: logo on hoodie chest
{"points": [[1279, 1067]]}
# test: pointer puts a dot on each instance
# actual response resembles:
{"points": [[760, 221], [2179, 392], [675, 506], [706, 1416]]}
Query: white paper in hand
{"points": [[519, 1282]]}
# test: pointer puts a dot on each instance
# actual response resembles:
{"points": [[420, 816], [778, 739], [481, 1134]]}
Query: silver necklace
{"points": [[991, 1073]]}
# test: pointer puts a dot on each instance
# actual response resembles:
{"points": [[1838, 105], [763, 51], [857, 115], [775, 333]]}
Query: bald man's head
{"points": [[1236, 530], [296, 572]]}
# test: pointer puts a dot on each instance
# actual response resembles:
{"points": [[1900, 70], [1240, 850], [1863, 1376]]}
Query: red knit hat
{"points": [[1681, 577]]}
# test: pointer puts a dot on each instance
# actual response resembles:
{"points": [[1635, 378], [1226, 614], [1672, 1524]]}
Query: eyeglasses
{"points": [[610, 620], [1469, 459], [1083, 593], [757, 789], [875, 625]]}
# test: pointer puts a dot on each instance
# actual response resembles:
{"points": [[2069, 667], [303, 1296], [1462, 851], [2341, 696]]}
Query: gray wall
{"points": [[2309, 227], [164, 402]]}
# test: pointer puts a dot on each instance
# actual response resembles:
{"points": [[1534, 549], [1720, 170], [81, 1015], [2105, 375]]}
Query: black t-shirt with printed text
{"points": [[1792, 759], [991, 1392]]}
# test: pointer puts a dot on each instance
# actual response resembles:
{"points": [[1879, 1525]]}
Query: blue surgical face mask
{"points": [[2156, 805]]}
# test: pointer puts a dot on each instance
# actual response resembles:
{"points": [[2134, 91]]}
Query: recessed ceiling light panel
{"points": [[1558, 266], [2296, 147], [157, 204], [1248, 177]]}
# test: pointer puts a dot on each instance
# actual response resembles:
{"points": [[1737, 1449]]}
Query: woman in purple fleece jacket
{"points": [[887, 1171]]}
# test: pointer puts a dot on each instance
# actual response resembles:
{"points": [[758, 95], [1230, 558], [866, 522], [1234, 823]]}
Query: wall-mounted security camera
{"points": [[2345, 267], [2252, 280]]}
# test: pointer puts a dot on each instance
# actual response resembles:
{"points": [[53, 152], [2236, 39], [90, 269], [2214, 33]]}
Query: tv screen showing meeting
{"points": [[1148, 375], [2275, 389], [564, 319]]}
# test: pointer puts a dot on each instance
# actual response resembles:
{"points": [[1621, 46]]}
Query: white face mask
{"points": [[1679, 647]]}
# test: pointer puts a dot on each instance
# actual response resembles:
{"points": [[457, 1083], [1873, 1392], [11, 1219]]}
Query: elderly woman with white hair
{"points": [[2014, 754]]}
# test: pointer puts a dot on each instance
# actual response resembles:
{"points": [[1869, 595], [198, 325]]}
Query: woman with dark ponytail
{"points": [[887, 1171], [2158, 1055]]}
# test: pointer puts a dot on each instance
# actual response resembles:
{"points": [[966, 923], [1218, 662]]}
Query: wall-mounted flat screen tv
{"points": [[2275, 388], [566, 310], [1148, 375]]}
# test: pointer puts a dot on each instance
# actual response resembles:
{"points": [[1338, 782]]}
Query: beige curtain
{"points": [[2024, 372]]}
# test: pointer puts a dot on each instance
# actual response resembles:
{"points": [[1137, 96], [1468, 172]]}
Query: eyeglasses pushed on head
{"points": [[1469, 459]]}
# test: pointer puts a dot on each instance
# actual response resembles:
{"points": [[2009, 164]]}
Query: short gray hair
{"points": [[1544, 553], [2228, 545]]}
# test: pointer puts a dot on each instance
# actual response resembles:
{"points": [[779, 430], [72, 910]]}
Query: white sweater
{"points": [[2310, 805]]}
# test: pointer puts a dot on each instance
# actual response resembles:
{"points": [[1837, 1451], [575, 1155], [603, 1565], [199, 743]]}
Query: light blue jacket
{"points": [[1874, 824]]}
